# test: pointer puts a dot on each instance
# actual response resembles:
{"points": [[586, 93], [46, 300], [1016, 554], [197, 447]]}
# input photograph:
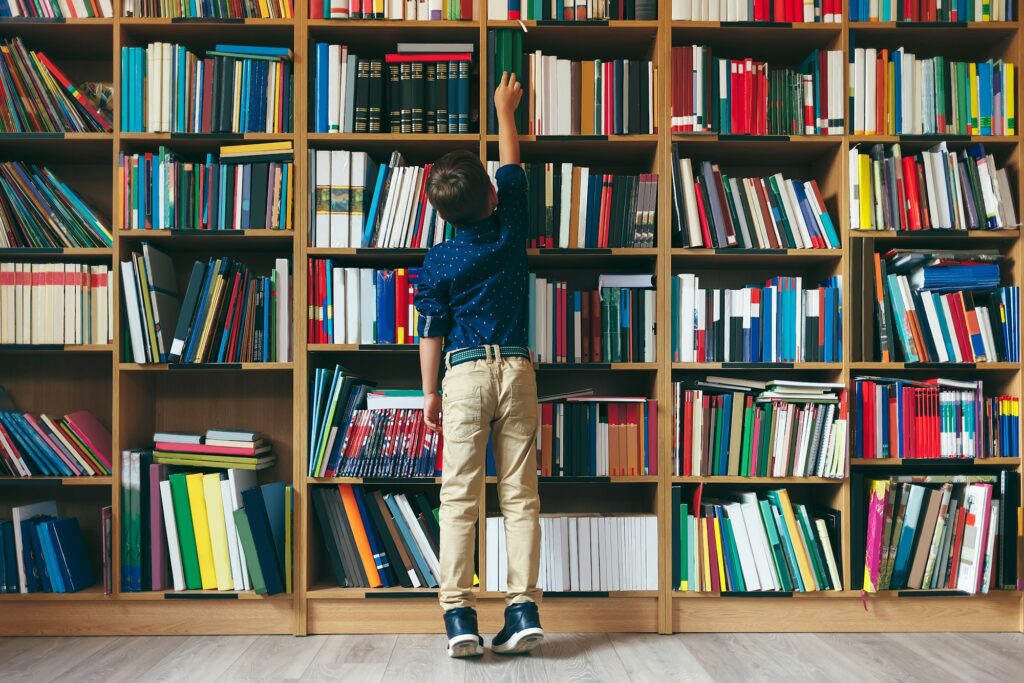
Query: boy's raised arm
{"points": [[506, 99]]}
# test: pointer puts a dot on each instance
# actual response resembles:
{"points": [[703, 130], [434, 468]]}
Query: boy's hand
{"points": [[432, 411], [507, 94]]}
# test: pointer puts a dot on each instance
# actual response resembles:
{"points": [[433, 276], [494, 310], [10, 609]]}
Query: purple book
{"points": [[157, 538]]}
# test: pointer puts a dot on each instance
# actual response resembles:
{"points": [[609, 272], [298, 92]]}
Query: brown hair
{"points": [[459, 188]]}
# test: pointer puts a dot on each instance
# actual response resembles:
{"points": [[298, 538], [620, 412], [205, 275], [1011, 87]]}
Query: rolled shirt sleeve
{"points": [[432, 301]]}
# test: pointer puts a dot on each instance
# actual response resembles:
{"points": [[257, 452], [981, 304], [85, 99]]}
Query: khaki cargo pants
{"points": [[496, 398]]}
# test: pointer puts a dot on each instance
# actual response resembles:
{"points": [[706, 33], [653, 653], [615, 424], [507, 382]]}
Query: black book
{"points": [[405, 97], [1009, 496], [362, 118], [417, 92], [218, 79], [441, 105], [258, 196], [394, 98], [636, 88], [424, 507], [376, 97], [430, 98], [556, 199], [618, 105], [327, 530]]}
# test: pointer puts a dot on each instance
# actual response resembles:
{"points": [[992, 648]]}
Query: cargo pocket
{"points": [[462, 414]]}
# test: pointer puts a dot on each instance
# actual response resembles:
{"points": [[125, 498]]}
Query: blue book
{"points": [[490, 468], [787, 543], [371, 217], [249, 50], [625, 306], [897, 60], [767, 311], [385, 280], [71, 555], [410, 541], [901, 565], [380, 559], [263, 539], [10, 557], [723, 444], [200, 315], [320, 95], [37, 447], [453, 97], [127, 94], [985, 97], [49, 555], [246, 203]]}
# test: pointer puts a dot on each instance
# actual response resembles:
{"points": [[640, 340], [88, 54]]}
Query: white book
{"points": [[748, 565], [357, 209], [367, 314], [975, 533], [131, 296], [585, 541], [690, 196], [565, 205], [284, 308], [390, 203], [858, 76], [420, 538], [322, 187], [166, 92], [241, 480], [334, 76], [171, 529], [990, 544], [18, 515], [574, 554], [340, 183], [502, 557], [492, 553], [581, 235], [758, 538], [830, 558], [595, 554], [352, 305], [337, 311], [231, 532]]}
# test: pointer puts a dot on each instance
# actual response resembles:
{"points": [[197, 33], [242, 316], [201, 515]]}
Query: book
{"points": [[822, 11], [275, 9], [933, 12], [230, 90], [745, 96], [166, 191], [713, 209], [932, 418], [726, 428], [781, 321], [56, 303]]}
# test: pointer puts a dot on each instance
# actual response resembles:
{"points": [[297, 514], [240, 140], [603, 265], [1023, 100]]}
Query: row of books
{"points": [[234, 89], [714, 94], [711, 209], [935, 189], [898, 93], [361, 305], [587, 436], [779, 11], [210, 9], [43, 552], [361, 203], [576, 207], [941, 532], [392, 10], [56, 303], [583, 553], [39, 210], [377, 539], [782, 321], [56, 9], [228, 314], [218, 449], [944, 306], [342, 78], [933, 418], [754, 542], [729, 426], [578, 10], [37, 96], [614, 323], [932, 11], [213, 531], [76, 445], [245, 187]]}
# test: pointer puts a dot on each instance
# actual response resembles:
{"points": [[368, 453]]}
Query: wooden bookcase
{"points": [[136, 400]]}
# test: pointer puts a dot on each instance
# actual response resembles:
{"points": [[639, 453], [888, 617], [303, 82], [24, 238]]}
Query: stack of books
{"points": [[234, 89], [577, 207], [933, 418], [39, 210], [584, 553], [376, 539], [56, 9], [360, 203], [932, 190], [228, 314], [574, 97], [931, 11], [614, 323], [215, 531], [56, 303], [754, 542], [713, 210], [944, 306], [246, 187], [218, 9], [38, 98], [748, 97], [42, 552], [218, 449], [730, 426], [361, 305], [393, 10], [897, 93], [587, 436], [77, 445], [578, 10], [782, 321], [777, 11], [941, 532]]}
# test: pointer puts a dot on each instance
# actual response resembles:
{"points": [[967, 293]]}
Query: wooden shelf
{"points": [[33, 253], [935, 367], [940, 462], [616, 479], [94, 592], [756, 480], [336, 593], [936, 234], [199, 595], [391, 25], [101, 480], [56, 348], [759, 257], [373, 480], [746, 367], [205, 367], [934, 139], [204, 21]]}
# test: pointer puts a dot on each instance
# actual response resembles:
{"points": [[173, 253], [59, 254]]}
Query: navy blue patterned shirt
{"points": [[472, 289]]}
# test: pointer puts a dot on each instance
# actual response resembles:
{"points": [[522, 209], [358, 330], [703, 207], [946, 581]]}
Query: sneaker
{"points": [[463, 637], [522, 630]]}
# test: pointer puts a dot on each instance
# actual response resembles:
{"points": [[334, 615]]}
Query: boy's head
{"points": [[460, 189]]}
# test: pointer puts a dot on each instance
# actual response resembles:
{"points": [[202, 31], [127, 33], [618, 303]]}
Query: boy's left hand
{"points": [[432, 412]]}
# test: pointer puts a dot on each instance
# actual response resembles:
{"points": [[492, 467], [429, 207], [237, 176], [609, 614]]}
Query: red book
{"points": [[687, 436], [779, 10], [705, 227], [466, 10], [652, 437], [709, 535], [316, 9], [95, 113]]}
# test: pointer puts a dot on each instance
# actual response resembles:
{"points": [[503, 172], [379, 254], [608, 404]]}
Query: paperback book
{"points": [[56, 303]]}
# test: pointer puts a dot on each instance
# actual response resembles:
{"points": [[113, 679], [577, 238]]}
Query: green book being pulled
{"points": [[186, 534]]}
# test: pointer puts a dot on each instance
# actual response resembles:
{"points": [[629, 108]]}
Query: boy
{"points": [[473, 293]]}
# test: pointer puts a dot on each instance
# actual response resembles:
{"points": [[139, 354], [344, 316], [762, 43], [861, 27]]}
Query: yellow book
{"points": [[197, 503], [255, 148], [864, 181], [211, 314], [147, 304], [218, 532], [972, 79], [1008, 88], [796, 539], [722, 583], [264, 9], [236, 115]]}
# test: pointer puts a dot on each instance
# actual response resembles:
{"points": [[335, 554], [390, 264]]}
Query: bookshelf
{"points": [[136, 400]]}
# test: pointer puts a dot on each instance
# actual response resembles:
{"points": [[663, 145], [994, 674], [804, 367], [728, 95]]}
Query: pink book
{"points": [[873, 546], [93, 434], [209, 450], [69, 461], [158, 544]]}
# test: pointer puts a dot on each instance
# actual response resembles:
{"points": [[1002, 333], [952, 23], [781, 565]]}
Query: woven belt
{"points": [[485, 353]]}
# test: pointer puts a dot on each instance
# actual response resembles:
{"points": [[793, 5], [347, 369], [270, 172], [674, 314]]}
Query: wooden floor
{"points": [[805, 657]]}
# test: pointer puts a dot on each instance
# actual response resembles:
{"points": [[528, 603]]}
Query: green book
{"points": [[716, 451], [811, 544], [684, 547], [776, 194], [729, 539], [778, 554], [748, 435], [186, 534], [249, 548], [766, 430]]}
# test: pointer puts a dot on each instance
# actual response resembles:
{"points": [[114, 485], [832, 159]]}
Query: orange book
{"points": [[355, 520], [574, 208], [880, 302], [587, 98]]}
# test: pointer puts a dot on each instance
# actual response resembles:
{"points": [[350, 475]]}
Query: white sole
{"points": [[520, 642], [467, 645]]}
